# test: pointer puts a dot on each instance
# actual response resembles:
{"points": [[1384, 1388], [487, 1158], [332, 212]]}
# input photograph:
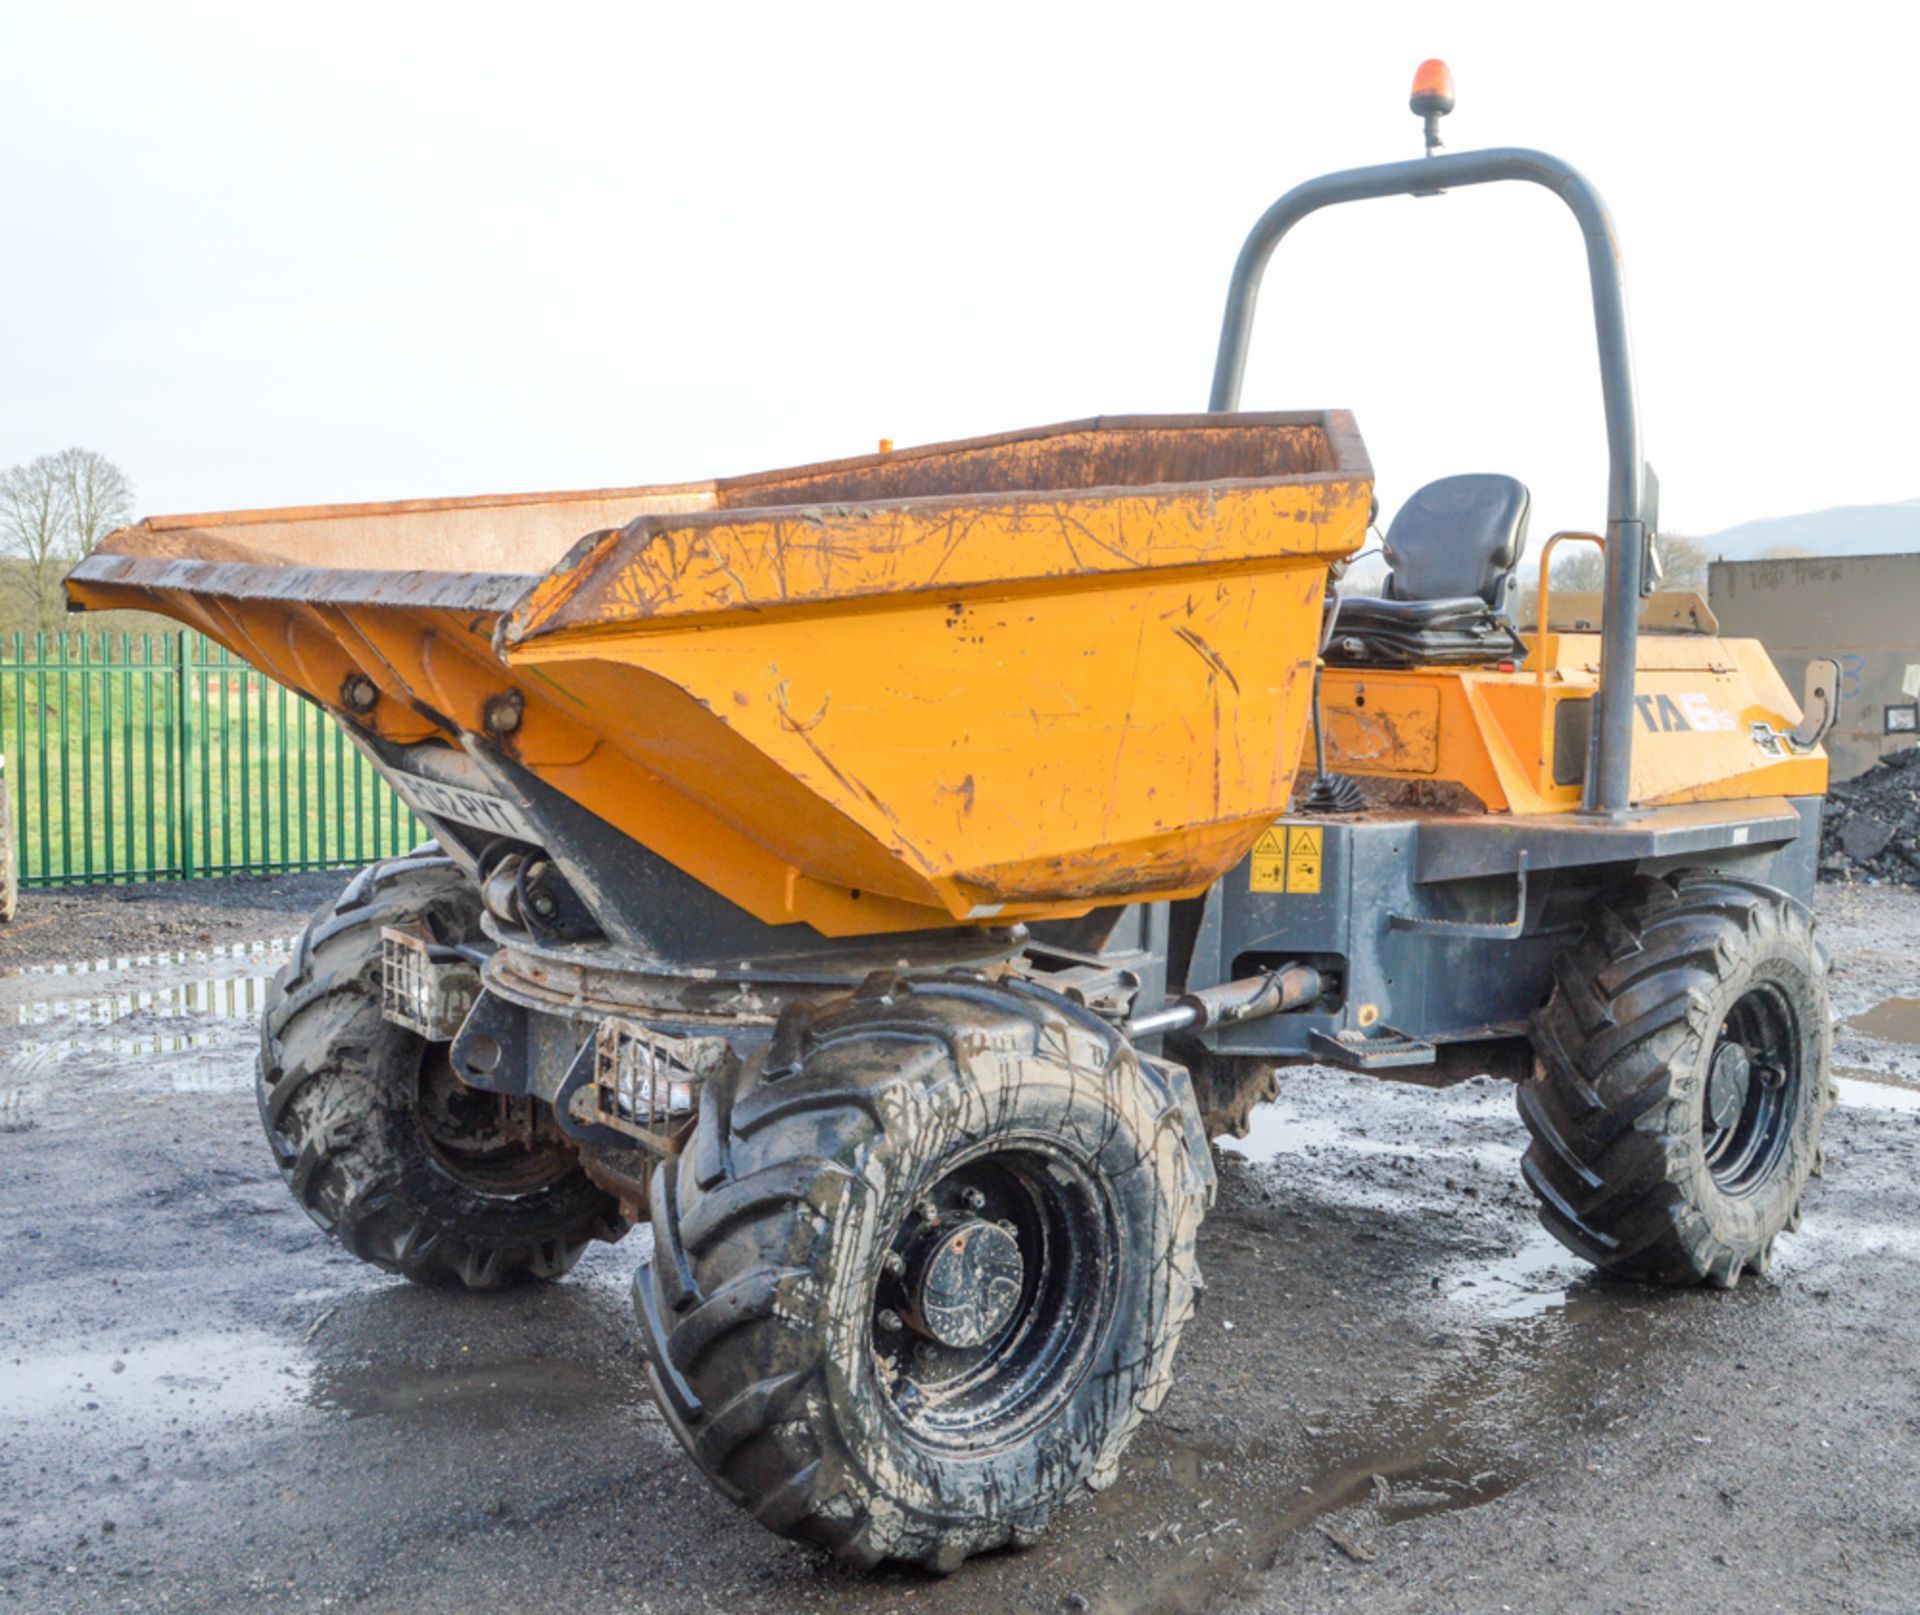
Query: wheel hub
{"points": [[993, 1294], [966, 1283], [1728, 1081]]}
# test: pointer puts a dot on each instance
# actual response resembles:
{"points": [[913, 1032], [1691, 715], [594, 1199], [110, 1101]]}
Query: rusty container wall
{"points": [[1006, 678], [1862, 610]]}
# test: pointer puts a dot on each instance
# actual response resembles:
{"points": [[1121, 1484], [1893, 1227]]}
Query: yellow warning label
{"points": [[1303, 858], [1287, 859], [1269, 872]]}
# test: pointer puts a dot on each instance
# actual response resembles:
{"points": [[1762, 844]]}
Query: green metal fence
{"points": [[164, 756]]}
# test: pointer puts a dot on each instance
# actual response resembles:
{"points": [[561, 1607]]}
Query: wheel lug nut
{"points": [[896, 1264], [974, 1199], [929, 1212], [889, 1320], [1006, 1223]]}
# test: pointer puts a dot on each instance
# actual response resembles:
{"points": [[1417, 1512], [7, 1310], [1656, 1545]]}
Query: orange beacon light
{"points": [[1432, 97]]}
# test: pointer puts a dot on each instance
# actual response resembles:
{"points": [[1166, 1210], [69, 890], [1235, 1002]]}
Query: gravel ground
{"points": [[1399, 1396], [105, 922]]}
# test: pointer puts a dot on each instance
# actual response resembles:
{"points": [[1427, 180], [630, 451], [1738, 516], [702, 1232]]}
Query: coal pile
{"points": [[1871, 829]]}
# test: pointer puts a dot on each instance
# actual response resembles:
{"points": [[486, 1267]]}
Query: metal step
{"points": [[1377, 1049]]}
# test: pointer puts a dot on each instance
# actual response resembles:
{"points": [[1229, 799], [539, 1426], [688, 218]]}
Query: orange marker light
{"points": [[1432, 89]]}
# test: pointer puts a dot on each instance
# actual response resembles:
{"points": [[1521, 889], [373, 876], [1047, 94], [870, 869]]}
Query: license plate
{"points": [[475, 808]]}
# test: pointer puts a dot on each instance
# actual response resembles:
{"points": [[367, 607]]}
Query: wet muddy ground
{"points": [[1399, 1396]]}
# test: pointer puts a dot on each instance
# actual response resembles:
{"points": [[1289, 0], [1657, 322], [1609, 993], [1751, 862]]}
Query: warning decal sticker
{"points": [[1303, 858], [1286, 858], [1269, 872]]}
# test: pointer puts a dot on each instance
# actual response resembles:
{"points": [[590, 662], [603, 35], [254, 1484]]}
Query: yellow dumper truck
{"points": [[883, 877]]}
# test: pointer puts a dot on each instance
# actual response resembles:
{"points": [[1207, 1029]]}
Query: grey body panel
{"points": [[1404, 905]]}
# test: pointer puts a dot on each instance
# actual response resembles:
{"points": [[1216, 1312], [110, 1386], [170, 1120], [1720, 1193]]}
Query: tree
{"points": [[34, 527], [53, 511], [1580, 566], [99, 497], [1683, 563]]}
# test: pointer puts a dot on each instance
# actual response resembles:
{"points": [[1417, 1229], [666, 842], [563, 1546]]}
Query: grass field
{"points": [[161, 756]]}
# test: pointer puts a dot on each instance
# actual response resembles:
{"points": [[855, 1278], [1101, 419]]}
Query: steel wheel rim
{"points": [[965, 1400], [460, 1128], [1752, 1092]]}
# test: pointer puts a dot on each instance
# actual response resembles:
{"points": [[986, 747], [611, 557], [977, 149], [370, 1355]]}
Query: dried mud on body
{"points": [[1399, 1395]]}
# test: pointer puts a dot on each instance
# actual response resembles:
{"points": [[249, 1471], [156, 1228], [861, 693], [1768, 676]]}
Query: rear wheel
{"points": [[1681, 1080], [384, 1147], [922, 1270], [1228, 1088]]}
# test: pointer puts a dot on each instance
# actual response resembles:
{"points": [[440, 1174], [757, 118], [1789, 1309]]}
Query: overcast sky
{"points": [[278, 254]]}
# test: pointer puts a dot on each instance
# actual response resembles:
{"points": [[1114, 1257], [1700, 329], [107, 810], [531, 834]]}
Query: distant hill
{"points": [[1844, 530]]}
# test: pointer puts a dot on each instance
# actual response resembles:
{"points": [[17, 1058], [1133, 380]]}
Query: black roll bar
{"points": [[1609, 764]]}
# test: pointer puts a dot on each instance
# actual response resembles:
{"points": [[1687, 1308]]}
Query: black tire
{"points": [[1228, 1088], [1681, 1080], [341, 1093], [763, 1301]]}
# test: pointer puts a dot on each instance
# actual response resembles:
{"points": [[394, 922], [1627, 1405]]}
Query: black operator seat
{"points": [[1452, 550]]}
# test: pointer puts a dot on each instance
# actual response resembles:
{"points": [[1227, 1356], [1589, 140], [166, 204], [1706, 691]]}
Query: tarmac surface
{"points": [[1399, 1395]]}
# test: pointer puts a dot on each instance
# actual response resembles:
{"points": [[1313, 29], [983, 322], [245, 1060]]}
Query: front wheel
{"points": [[385, 1148], [1681, 1080], [922, 1270]]}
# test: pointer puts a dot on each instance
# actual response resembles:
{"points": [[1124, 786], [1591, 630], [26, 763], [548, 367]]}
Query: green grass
{"points": [[127, 761]]}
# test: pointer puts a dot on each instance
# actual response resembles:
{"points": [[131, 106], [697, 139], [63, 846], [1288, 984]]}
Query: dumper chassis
{"points": [[908, 1054]]}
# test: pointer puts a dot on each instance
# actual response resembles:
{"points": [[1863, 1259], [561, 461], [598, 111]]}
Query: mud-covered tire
{"points": [[1227, 1088], [1632, 1169], [339, 1094], [772, 1235]]}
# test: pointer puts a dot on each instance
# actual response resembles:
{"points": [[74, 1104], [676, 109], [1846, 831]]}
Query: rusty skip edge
{"points": [[108, 581], [521, 608], [1337, 427], [632, 575], [538, 602]]}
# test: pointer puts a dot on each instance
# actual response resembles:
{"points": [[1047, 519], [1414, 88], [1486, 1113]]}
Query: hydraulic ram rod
{"points": [[1248, 999]]}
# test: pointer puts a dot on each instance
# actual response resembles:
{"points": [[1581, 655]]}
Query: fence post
{"points": [[20, 742], [186, 756], [9, 868], [86, 755], [88, 815], [40, 721]]}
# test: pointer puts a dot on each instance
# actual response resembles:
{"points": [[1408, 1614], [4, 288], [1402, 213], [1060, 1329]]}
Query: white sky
{"points": [[273, 254]]}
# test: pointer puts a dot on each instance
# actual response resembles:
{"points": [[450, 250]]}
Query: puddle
{"points": [[477, 1394], [121, 1041], [1534, 1279], [1823, 1243], [147, 1386], [172, 1011], [1225, 1515], [1894, 1020], [1351, 1126], [276, 948], [77, 1403], [1871, 1091], [218, 997], [148, 1383]]}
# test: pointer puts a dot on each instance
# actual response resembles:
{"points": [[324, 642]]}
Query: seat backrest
{"points": [[1457, 537]]}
